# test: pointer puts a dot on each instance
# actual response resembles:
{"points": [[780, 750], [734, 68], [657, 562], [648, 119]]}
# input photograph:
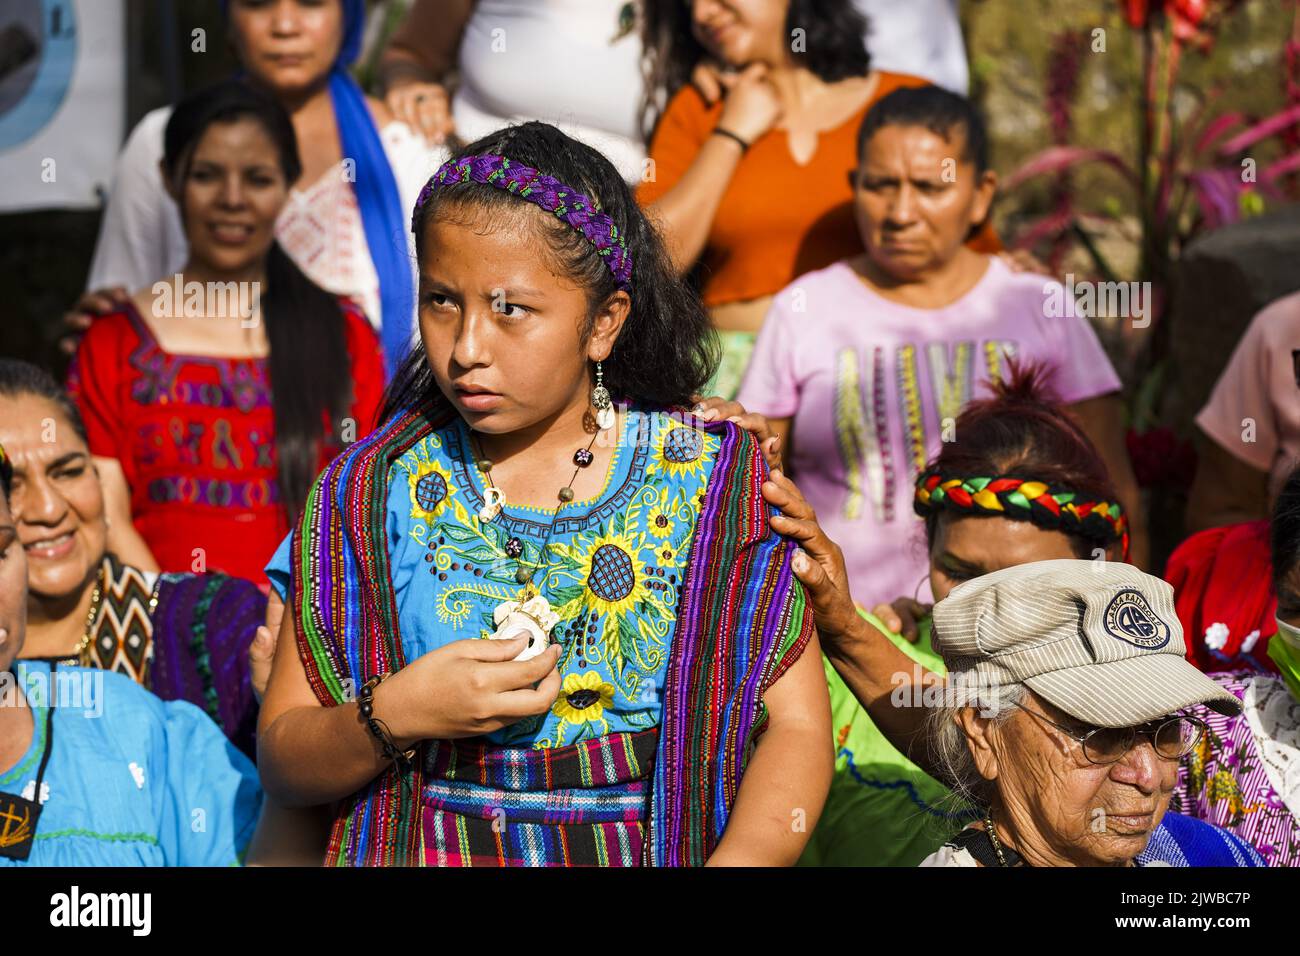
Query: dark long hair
{"points": [[1021, 430], [833, 47], [311, 378], [666, 351]]}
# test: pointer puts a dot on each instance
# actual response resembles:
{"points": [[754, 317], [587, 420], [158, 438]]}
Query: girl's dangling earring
{"points": [[600, 401]]}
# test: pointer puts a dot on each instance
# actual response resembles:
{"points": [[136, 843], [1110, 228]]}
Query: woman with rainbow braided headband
{"points": [[526, 625], [1021, 482], [883, 809]]}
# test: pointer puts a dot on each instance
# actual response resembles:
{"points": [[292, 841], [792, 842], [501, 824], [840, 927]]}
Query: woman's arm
{"points": [[423, 47], [309, 754], [685, 213], [1102, 420], [880, 676], [785, 785], [1226, 490], [123, 540]]}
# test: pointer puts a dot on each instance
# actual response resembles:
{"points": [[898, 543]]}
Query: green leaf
{"points": [[501, 575], [481, 554], [457, 533], [561, 596]]}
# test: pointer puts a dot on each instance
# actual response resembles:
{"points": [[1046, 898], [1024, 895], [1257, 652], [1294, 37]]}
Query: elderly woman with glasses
{"points": [[1062, 720]]}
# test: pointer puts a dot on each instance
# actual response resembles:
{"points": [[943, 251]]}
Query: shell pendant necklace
{"points": [[529, 611]]}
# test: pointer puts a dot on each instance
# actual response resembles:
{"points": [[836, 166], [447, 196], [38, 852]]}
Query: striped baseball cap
{"points": [[1098, 639]]}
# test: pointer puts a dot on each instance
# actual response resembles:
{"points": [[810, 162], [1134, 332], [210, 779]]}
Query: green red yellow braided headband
{"points": [[1048, 506]]}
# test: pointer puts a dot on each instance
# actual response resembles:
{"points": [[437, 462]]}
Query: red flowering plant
{"points": [[1188, 176]]}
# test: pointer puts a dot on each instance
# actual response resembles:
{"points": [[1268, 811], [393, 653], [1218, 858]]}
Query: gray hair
{"points": [[948, 743]]}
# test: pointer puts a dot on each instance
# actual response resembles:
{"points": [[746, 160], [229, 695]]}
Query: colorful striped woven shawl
{"points": [[742, 622]]}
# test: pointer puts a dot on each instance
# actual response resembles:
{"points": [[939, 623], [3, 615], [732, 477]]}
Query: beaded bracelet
{"points": [[378, 729]]}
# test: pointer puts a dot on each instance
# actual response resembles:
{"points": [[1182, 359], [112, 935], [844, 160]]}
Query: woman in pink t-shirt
{"points": [[864, 366]]}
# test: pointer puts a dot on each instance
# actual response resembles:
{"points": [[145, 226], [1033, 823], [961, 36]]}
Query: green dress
{"points": [[882, 810]]}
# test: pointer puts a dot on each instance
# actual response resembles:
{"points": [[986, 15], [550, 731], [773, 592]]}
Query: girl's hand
{"points": [[717, 409], [820, 563], [752, 107], [424, 107], [78, 319], [467, 688], [901, 616]]}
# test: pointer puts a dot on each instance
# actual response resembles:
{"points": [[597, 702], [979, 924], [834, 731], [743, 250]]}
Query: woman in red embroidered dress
{"points": [[196, 448]]}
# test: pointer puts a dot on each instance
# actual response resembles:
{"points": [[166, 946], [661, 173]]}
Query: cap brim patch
{"points": [[1132, 691]]}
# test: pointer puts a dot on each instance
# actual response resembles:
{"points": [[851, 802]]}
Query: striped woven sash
{"points": [[604, 780]]}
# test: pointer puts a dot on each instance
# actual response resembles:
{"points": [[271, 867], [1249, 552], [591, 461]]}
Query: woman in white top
{"points": [[573, 63], [345, 221]]}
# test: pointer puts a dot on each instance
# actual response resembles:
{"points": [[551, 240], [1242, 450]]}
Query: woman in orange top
{"points": [[756, 186]]}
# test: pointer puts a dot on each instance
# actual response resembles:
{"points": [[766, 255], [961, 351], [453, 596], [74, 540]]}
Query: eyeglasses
{"points": [[1171, 737]]}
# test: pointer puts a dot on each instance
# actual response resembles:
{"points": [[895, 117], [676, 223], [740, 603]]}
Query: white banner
{"points": [[62, 101]]}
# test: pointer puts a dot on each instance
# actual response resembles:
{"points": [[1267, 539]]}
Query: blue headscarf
{"points": [[375, 187]]}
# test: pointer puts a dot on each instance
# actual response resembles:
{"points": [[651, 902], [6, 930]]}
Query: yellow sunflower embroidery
{"points": [[583, 697], [431, 488], [679, 451], [608, 567], [659, 520]]}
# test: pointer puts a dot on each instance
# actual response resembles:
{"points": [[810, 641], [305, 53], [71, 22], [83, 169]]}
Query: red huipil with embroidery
{"points": [[195, 436]]}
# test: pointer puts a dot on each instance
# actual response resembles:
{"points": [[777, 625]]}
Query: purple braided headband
{"points": [[569, 206]]}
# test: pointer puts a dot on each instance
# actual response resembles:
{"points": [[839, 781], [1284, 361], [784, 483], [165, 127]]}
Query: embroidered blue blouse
{"points": [[612, 568]]}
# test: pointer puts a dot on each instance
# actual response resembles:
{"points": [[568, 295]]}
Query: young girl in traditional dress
{"points": [[654, 694]]}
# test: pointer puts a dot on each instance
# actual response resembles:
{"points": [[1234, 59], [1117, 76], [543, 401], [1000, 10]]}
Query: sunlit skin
{"points": [[15, 718], [916, 198], [287, 45], [1056, 808], [57, 507], [502, 332], [738, 32]]}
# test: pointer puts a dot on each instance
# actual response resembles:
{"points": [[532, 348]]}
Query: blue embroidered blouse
{"points": [[612, 568]]}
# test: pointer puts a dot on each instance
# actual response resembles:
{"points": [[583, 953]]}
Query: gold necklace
{"points": [[82, 653]]}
